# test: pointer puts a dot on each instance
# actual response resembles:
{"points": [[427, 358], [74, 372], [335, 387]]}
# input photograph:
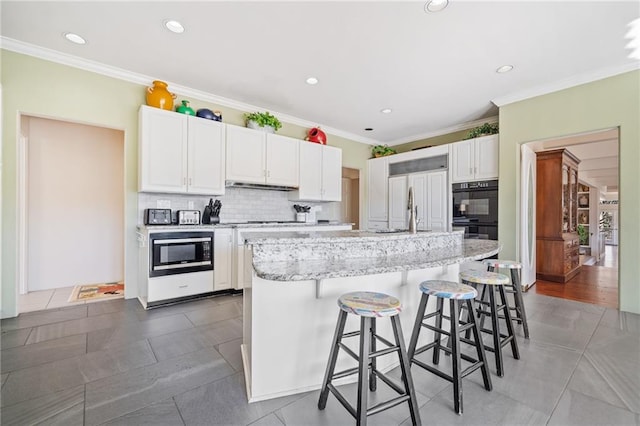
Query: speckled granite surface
{"points": [[315, 269], [296, 256], [241, 225]]}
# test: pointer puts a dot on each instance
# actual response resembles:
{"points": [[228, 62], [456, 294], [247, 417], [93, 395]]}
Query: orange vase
{"points": [[158, 96]]}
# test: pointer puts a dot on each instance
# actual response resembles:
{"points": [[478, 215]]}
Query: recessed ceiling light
{"points": [[174, 26], [312, 80], [504, 68], [368, 129], [74, 38], [386, 110], [435, 5]]}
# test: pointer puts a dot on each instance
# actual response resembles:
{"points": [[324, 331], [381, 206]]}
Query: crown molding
{"points": [[132, 77], [573, 81], [445, 131]]}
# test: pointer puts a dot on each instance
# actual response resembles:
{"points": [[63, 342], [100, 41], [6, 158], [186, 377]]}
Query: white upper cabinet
{"points": [[320, 173], [377, 179], [254, 156], [331, 173], [180, 153], [206, 164], [475, 159], [282, 160], [246, 155]]}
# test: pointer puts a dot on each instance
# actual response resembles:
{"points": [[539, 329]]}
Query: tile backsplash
{"points": [[239, 205]]}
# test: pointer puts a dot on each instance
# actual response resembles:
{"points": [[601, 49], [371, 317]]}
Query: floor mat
{"points": [[97, 292]]}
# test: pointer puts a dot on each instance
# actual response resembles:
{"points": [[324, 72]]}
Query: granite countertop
{"points": [[242, 225], [351, 236], [316, 269]]}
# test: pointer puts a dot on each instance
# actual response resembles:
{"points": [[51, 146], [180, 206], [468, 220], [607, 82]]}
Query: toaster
{"points": [[188, 217], [157, 217]]}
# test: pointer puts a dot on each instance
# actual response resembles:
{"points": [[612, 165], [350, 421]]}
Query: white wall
{"points": [[75, 204]]}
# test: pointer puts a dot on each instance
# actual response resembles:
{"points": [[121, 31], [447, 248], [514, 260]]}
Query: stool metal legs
{"points": [[454, 338], [366, 370], [521, 315], [499, 339], [333, 357]]}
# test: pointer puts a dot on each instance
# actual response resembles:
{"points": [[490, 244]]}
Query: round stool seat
{"points": [[482, 277], [369, 304], [504, 264], [448, 289]]}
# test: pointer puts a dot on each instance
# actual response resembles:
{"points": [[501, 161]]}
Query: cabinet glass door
{"points": [[565, 199], [573, 197]]}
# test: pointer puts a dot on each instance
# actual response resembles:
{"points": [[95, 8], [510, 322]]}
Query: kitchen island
{"points": [[290, 304]]}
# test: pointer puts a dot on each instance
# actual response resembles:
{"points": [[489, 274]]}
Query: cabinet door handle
{"points": [[184, 286], [184, 181], [189, 181]]}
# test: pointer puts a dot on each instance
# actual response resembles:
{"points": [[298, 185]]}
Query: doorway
{"points": [[72, 215], [350, 205], [597, 189]]}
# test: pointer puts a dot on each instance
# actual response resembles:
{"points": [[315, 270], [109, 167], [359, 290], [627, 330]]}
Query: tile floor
{"points": [[113, 363], [48, 299]]}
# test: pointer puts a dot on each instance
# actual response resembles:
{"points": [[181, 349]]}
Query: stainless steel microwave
{"points": [[180, 252]]}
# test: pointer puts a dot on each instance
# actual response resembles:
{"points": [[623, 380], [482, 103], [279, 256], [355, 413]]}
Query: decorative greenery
{"points": [[263, 119], [382, 150], [583, 234], [485, 129]]}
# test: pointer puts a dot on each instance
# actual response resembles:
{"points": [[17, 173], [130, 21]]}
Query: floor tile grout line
{"points": [[582, 356], [175, 403], [84, 410]]}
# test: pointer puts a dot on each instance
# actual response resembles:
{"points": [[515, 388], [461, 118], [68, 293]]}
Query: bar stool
{"points": [[455, 292], [491, 281], [513, 287], [369, 306]]}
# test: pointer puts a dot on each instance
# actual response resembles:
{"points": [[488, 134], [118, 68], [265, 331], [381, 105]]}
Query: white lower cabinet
{"points": [[429, 195], [181, 285], [223, 259]]}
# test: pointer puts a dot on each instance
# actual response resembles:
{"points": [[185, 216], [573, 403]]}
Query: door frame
{"points": [[22, 174]]}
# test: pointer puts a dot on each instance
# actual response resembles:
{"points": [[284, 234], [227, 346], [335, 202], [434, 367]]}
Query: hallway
{"points": [[597, 284]]}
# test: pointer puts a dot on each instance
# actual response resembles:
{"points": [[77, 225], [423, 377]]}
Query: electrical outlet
{"points": [[190, 205]]}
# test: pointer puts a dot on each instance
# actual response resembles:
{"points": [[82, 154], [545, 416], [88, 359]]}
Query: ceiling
{"points": [[598, 155], [436, 71]]}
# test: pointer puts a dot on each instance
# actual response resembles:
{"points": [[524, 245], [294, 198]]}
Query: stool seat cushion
{"points": [[504, 264], [481, 277], [448, 289], [369, 304]]}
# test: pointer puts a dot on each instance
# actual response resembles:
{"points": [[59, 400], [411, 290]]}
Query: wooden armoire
{"points": [[557, 241]]}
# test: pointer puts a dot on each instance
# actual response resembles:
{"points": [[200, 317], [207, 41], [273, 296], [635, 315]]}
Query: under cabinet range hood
{"points": [[234, 184]]}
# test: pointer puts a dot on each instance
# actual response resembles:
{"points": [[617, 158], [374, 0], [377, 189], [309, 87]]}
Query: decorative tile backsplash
{"points": [[239, 205]]}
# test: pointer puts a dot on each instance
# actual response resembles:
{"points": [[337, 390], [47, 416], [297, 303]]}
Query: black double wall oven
{"points": [[475, 207]]}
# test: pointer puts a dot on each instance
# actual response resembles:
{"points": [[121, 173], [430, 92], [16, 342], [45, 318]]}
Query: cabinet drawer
{"points": [[180, 285]]}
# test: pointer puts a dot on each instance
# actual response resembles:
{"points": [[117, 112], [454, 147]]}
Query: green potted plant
{"points": [[583, 235], [485, 129], [382, 151], [262, 121]]}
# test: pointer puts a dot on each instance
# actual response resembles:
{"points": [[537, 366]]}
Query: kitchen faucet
{"points": [[413, 214]]}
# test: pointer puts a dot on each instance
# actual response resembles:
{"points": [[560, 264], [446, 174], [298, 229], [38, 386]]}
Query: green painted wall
{"points": [[37, 87], [436, 140], [607, 103]]}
